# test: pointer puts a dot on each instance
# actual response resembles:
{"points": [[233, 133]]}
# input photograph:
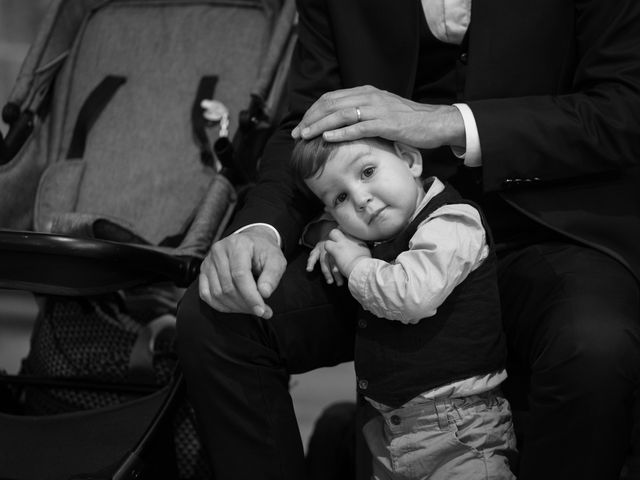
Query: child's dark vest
{"points": [[395, 362]]}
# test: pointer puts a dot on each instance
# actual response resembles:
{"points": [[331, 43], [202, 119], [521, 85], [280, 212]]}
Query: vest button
{"points": [[395, 419], [464, 57], [362, 323], [363, 384]]}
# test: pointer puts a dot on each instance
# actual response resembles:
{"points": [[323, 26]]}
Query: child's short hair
{"points": [[310, 156]]}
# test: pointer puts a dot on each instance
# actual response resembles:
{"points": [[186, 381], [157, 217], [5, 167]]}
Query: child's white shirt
{"points": [[446, 247]]}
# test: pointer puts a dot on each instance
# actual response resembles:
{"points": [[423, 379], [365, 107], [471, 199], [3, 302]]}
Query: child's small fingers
{"points": [[326, 269], [313, 258], [337, 276]]}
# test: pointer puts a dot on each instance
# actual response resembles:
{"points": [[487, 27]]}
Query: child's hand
{"points": [[345, 250], [327, 264]]}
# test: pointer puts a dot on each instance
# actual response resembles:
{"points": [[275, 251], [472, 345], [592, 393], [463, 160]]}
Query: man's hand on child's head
{"points": [[346, 250], [328, 266]]}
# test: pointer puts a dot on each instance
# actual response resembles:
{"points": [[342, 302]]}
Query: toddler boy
{"points": [[429, 352]]}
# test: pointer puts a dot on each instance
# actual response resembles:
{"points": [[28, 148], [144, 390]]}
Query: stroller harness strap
{"points": [[90, 111]]}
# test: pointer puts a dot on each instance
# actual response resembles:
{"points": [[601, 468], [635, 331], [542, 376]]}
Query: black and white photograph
{"points": [[319, 240]]}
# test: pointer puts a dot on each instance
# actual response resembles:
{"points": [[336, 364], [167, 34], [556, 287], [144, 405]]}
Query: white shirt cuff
{"points": [[472, 155], [271, 227]]}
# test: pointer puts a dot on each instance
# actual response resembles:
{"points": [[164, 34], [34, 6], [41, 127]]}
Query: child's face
{"points": [[371, 190]]}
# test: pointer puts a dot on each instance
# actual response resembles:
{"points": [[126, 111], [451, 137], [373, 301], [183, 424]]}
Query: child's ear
{"points": [[411, 155]]}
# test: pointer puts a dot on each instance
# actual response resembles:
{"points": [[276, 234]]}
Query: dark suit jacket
{"points": [[554, 86]]}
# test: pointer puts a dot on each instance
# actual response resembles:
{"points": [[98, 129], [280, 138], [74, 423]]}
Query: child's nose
{"points": [[362, 199]]}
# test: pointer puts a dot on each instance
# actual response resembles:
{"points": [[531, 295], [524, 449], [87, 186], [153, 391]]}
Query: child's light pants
{"points": [[469, 438]]}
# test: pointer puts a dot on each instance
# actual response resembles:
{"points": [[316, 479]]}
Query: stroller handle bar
{"points": [[78, 266]]}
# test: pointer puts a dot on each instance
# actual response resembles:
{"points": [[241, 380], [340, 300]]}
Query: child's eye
{"points": [[367, 172], [340, 198]]}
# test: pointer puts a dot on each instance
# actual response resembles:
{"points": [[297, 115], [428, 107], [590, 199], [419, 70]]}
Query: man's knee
{"points": [[591, 349], [204, 333], [610, 350]]}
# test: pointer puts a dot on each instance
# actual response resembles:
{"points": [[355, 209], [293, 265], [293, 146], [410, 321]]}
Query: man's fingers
{"points": [[343, 125], [357, 131], [333, 121], [340, 106], [219, 260], [237, 290], [351, 113], [266, 312], [211, 292], [213, 284], [227, 281], [203, 288], [243, 282], [272, 269], [209, 285], [207, 297]]}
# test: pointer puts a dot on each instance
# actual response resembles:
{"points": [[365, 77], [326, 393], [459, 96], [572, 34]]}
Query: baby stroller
{"points": [[134, 126]]}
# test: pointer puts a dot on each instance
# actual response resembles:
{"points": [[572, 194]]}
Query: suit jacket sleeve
{"points": [[586, 124], [314, 70]]}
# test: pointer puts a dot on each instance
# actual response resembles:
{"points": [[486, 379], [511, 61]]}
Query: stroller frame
{"points": [[54, 263]]}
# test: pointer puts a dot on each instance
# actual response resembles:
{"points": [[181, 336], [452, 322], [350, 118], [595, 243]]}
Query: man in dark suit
{"points": [[551, 107]]}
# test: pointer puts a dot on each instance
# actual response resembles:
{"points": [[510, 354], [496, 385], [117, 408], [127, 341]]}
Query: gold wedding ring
{"points": [[358, 116]]}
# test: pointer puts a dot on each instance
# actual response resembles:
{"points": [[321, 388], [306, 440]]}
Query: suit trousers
{"points": [[572, 317]]}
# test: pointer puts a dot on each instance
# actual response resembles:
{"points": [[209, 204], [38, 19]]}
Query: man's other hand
{"points": [[241, 271]]}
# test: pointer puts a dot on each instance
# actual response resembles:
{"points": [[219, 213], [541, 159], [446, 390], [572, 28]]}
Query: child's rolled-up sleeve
{"points": [[446, 247]]}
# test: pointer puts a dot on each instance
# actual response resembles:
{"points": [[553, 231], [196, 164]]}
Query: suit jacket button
{"points": [[395, 419], [362, 323], [363, 384], [464, 57]]}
